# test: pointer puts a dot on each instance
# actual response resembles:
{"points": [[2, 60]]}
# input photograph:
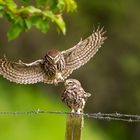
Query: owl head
{"points": [[73, 83], [53, 56]]}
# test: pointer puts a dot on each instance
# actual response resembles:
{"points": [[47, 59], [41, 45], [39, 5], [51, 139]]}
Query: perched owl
{"points": [[56, 66], [74, 95]]}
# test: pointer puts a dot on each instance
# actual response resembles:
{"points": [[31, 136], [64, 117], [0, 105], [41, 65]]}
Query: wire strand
{"points": [[100, 116]]}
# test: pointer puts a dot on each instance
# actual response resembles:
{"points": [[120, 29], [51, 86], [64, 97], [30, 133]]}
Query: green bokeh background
{"points": [[112, 76]]}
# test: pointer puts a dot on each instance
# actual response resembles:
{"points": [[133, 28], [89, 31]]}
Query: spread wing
{"points": [[22, 73], [66, 73], [81, 53]]}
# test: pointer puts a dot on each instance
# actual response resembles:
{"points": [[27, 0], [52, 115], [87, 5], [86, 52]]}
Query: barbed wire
{"points": [[101, 116]]}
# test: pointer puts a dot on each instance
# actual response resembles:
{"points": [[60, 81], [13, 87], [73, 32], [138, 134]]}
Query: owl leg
{"points": [[79, 111], [72, 111], [55, 82], [59, 76]]}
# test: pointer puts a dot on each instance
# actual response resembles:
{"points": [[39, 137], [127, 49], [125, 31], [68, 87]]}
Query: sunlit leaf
{"points": [[1, 11], [56, 19], [28, 23], [14, 31], [61, 5], [40, 23], [41, 2], [11, 4], [26, 1], [70, 5], [29, 10], [60, 22], [2, 2]]}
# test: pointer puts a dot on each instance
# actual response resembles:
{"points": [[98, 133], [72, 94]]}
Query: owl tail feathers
{"points": [[87, 94]]}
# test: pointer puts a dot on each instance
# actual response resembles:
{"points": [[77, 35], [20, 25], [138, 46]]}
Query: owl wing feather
{"points": [[66, 73], [22, 73], [81, 53]]}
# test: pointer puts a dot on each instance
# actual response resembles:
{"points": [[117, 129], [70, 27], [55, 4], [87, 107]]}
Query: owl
{"points": [[56, 65], [74, 95]]}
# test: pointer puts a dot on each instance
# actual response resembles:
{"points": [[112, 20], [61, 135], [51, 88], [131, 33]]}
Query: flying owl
{"points": [[56, 65], [74, 95]]}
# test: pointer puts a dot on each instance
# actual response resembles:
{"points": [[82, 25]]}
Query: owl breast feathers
{"points": [[74, 95], [56, 66]]}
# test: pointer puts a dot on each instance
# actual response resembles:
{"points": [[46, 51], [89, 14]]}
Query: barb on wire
{"points": [[101, 116]]}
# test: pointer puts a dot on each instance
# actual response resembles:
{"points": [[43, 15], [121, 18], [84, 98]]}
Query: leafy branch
{"points": [[39, 14]]}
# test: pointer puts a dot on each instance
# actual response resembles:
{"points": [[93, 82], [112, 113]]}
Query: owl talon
{"points": [[72, 111], [59, 78], [55, 82], [79, 111], [20, 62]]}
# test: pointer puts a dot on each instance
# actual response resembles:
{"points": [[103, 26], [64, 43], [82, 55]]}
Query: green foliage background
{"points": [[112, 76], [27, 13]]}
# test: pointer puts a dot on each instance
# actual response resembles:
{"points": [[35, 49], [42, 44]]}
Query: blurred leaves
{"points": [[71, 5], [36, 14], [14, 31]]}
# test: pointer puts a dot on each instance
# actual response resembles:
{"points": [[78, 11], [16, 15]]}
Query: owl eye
{"points": [[70, 82]]}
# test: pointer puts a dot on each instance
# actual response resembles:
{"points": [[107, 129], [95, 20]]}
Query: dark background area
{"points": [[112, 76]]}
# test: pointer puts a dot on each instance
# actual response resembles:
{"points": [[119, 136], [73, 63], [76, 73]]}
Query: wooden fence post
{"points": [[74, 124]]}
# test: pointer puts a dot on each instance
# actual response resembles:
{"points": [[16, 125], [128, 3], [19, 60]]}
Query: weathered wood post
{"points": [[74, 124]]}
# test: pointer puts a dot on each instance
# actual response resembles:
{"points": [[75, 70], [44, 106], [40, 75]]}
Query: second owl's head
{"points": [[72, 83]]}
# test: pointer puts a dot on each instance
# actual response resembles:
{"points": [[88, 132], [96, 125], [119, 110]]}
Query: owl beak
{"points": [[66, 84], [55, 61]]}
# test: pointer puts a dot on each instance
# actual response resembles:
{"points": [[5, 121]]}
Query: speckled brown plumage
{"points": [[56, 66], [74, 95]]}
